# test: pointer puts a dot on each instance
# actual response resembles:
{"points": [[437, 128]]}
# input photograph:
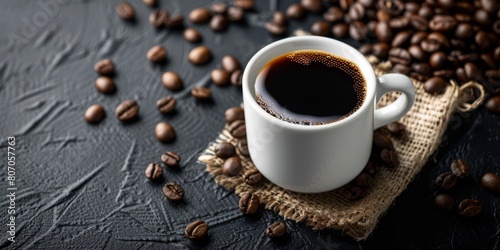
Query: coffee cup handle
{"points": [[394, 111]]}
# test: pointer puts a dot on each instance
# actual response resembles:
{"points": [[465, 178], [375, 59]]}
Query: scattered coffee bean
{"points": [[469, 207], [389, 157], [157, 54], [173, 191], [249, 203], [279, 18], [219, 8], [165, 132], [232, 166], [166, 105], [399, 55], [444, 202], [381, 50], [320, 28], [158, 17], [220, 77], [276, 230], [472, 72], [460, 168], [104, 67], [174, 22], [243, 147], [125, 10], [219, 23], [237, 128], [127, 110], [171, 159], [362, 180], [199, 15], [252, 177], [354, 193], [366, 49], [172, 81], [491, 182], [382, 141], [230, 63], [435, 85], [94, 114], [236, 78], [105, 85], [383, 32], [244, 4], [340, 30], [154, 171], [275, 29], [202, 93], [358, 30], [235, 14], [200, 55], [192, 35], [196, 230], [493, 104], [396, 129], [295, 11], [446, 180], [233, 114], [314, 6], [224, 150], [401, 39]]}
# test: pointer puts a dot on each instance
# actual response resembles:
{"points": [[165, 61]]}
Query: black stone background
{"points": [[82, 186]]}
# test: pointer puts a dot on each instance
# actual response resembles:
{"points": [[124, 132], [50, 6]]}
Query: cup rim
{"points": [[360, 60]]}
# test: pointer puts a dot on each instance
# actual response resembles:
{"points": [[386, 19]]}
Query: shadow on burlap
{"points": [[425, 123]]}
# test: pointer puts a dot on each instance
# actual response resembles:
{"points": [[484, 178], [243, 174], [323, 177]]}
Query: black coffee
{"points": [[310, 87]]}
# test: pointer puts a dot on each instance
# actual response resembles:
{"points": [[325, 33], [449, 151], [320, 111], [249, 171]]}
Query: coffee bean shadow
{"points": [[174, 169], [132, 22], [201, 243], [205, 103], [131, 122], [281, 241], [162, 64], [170, 114]]}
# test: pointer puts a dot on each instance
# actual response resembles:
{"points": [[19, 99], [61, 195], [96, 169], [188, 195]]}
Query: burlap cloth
{"points": [[425, 123]]}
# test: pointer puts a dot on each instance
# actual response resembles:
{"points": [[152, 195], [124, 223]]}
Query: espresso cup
{"points": [[318, 158]]}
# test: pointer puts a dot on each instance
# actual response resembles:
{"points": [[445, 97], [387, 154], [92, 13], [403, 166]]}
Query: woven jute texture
{"points": [[425, 123]]}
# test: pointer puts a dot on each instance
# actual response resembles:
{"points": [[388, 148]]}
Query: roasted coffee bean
{"points": [[390, 158], [444, 202], [442, 23], [243, 147], [397, 129], [469, 57], [320, 28], [127, 110], [344, 4], [295, 11], [383, 32], [252, 177], [219, 23], [105, 85], [482, 17], [166, 105], [354, 193], [422, 68], [340, 30], [94, 114], [493, 104], [236, 78], [401, 39], [104, 67], [362, 180], [175, 22], [244, 4], [438, 59], [157, 54], [440, 38], [333, 14], [493, 76], [276, 230], [202, 93], [196, 230], [483, 40], [125, 10], [232, 166], [314, 6], [249, 203], [400, 68], [417, 52], [446, 180], [158, 17], [491, 182], [358, 30], [393, 7], [153, 171], [235, 14], [279, 18], [399, 22], [489, 5], [444, 73], [356, 11], [173, 191], [426, 11], [192, 35], [382, 141], [418, 22], [219, 8], [460, 168], [488, 60], [460, 74], [275, 29], [430, 46], [171, 159], [224, 150], [237, 128], [233, 114], [150, 3], [464, 30], [220, 77], [472, 72], [399, 55], [383, 16], [469, 207], [199, 15], [435, 85], [418, 76], [165, 132], [418, 37], [200, 55], [172, 81], [365, 49], [381, 50], [230, 63]]}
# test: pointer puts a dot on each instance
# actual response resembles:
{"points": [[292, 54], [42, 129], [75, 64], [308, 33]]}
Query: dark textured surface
{"points": [[83, 186]]}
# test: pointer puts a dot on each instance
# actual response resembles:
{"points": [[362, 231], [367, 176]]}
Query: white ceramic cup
{"points": [[318, 158]]}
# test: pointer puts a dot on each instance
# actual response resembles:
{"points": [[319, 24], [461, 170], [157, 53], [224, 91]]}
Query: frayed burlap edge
{"points": [[426, 122]]}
